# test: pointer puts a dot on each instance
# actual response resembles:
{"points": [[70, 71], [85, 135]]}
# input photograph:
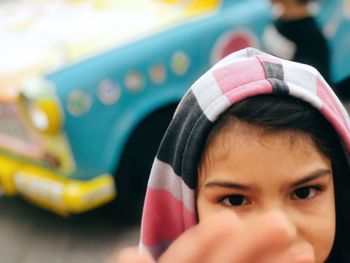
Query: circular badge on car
{"points": [[108, 92], [180, 63], [232, 41], [134, 81], [347, 8], [79, 103], [157, 74]]}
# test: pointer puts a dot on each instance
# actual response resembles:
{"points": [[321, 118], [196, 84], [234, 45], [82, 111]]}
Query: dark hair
{"points": [[285, 113], [276, 113], [306, 1]]}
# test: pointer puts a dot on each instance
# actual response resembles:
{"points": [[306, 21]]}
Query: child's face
{"points": [[252, 172]]}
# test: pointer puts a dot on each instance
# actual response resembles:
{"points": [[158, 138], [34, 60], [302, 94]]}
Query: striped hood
{"points": [[170, 206]]}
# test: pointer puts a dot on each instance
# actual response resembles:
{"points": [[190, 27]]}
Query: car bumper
{"points": [[48, 190]]}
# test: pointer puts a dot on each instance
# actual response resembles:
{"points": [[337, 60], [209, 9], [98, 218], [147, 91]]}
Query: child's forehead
{"points": [[236, 129], [236, 134], [257, 152]]}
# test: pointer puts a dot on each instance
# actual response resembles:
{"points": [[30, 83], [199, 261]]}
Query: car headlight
{"points": [[45, 116], [40, 104]]}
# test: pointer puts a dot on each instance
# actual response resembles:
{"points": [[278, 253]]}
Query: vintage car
{"points": [[81, 125]]}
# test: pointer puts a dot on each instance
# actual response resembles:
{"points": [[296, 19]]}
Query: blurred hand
{"points": [[132, 255], [225, 238]]}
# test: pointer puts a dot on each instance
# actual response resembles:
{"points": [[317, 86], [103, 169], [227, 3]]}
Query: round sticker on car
{"points": [[79, 103], [232, 41], [347, 8], [158, 74], [108, 92], [180, 63], [134, 81]]}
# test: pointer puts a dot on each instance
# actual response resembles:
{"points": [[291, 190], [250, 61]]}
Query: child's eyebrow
{"points": [[225, 184], [314, 175]]}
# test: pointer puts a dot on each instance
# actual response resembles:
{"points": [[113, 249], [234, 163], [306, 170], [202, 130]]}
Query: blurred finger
{"points": [[131, 255], [264, 236], [198, 243], [298, 253]]}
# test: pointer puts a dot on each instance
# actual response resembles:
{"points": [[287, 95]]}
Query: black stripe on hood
{"points": [[184, 139], [274, 74]]}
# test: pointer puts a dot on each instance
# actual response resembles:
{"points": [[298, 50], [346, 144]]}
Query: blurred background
{"points": [[33, 235], [87, 88]]}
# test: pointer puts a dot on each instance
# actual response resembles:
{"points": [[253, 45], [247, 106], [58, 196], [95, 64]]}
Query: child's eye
{"points": [[307, 192], [234, 200]]}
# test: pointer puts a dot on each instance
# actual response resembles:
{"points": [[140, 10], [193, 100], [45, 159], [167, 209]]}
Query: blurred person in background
{"points": [[295, 35]]}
